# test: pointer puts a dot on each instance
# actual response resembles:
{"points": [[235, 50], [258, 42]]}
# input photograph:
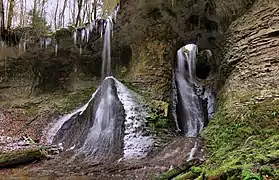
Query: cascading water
{"points": [[111, 124], [106, 66], [105, 136], [190, 112]]}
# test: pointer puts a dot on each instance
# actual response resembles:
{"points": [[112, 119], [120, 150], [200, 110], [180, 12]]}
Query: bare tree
{"points": [[84, 12], [78, 20], [89, 15], [62, 14], [11, 13], [43, 8], [2, 16], [21, 19], [74, 12], [55, 16], [35, 8], [95, 4], [7, 8], [25, 19], [69, 11]]}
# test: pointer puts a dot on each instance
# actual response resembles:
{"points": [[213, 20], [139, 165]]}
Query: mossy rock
{"points": [[19, 157], [159, 120], [175, 172], [160, 106]]}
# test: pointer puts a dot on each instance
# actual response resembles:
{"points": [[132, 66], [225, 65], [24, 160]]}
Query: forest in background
{"points": [[52, 14]]}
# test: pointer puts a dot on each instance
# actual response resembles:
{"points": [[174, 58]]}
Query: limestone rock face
{"points": [[148, 34], [250, 52]]}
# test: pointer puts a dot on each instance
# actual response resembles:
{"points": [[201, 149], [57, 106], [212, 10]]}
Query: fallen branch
{"points": [[178, 170]]}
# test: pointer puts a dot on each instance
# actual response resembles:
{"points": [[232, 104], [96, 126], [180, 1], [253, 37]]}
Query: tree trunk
{"points": [[11, 14], [89, 15], [74, 12], [35, 8], [21, 13], [78, 20], [2, 16], [55, 16], [34, 12], [7, 11], [43, 8], [95, 9], [38, 6], [84, 13], [62, 14], [24, 13]]}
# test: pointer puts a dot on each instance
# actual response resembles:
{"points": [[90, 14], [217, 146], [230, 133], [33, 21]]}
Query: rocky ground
{"points": [[174, 154]]}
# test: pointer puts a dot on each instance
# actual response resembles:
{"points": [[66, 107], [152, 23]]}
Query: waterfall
{"points": [[106, 65], [112, 124], [105, 135], [191, 117]]}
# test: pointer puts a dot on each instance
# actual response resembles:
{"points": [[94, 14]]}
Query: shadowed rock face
{"points": [[99, 130]]}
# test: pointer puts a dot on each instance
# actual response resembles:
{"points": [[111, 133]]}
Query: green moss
{"points": [[73, 100], [18, 157], [180, 172], [188, 175], [159, 121], [242, 135]]}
